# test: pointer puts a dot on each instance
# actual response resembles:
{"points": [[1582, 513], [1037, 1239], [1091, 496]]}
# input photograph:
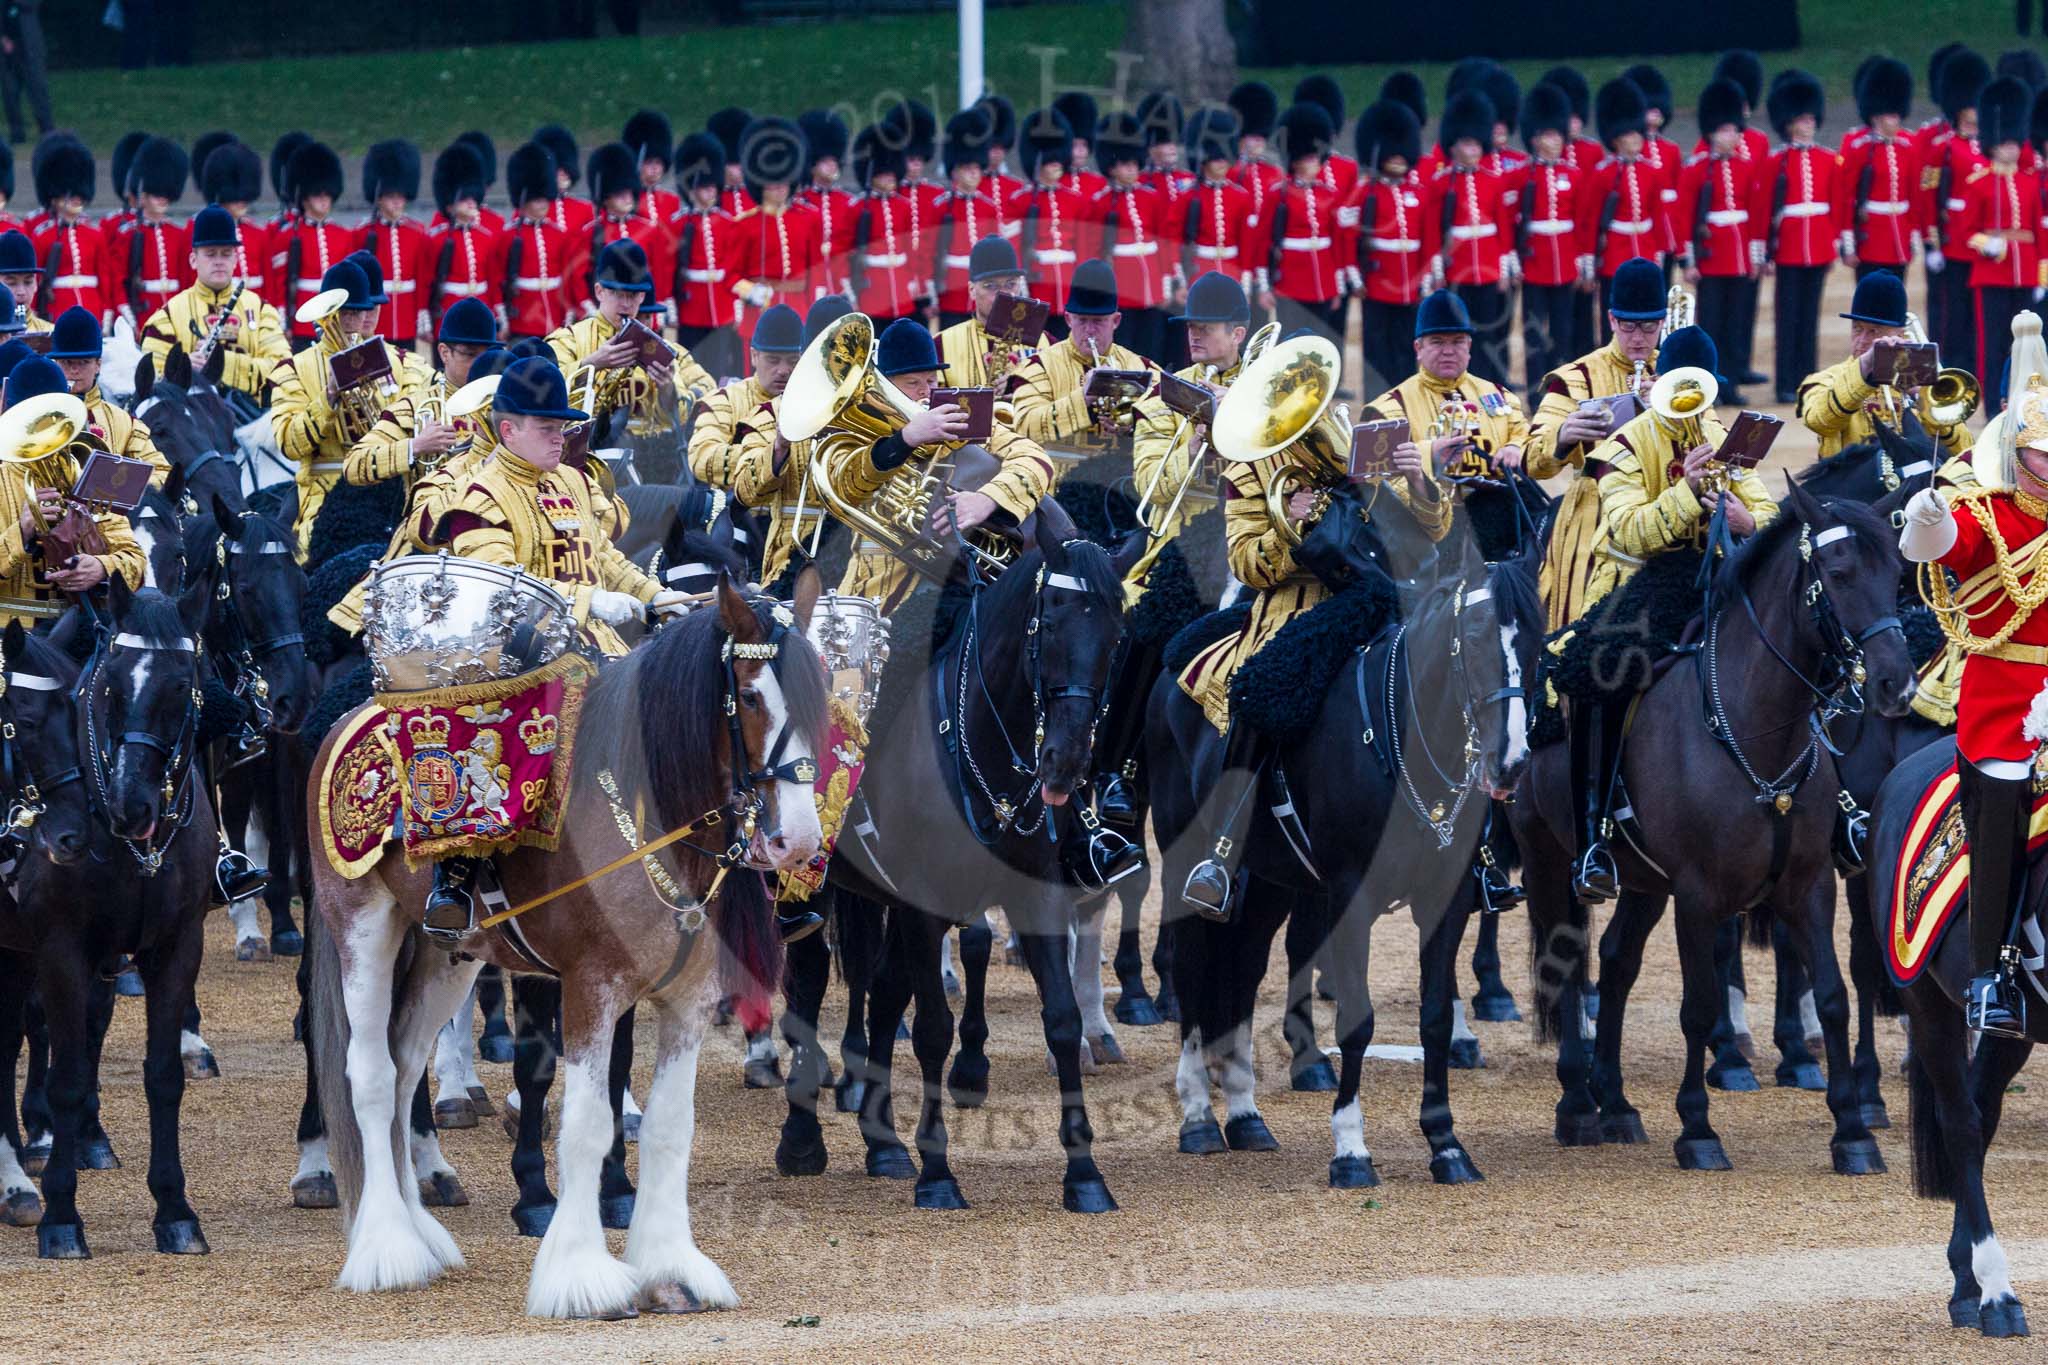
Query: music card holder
{"points": [[112, 481], [1117, 386], [39, 342], [1372, 449], [1190, 400], [981, 410], [364, 363], [1914, 364], [1621, 408], [576, 444], [1020, 322], [648, 347], [1750, 438]]}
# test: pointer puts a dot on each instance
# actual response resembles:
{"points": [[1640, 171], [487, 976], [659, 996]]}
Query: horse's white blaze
{"points": [[13, 1180], [1987, 1263], [1347, 1128], [1518, 709], [312, 1160], [145, 536], [796, 809], [660, 1245], [574, 1276], [1191, 1082], [1239, 1077], [1461, 1028]]}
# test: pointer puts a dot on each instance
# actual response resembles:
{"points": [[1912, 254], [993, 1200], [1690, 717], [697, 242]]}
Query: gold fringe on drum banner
{"points": [[839, 772]]}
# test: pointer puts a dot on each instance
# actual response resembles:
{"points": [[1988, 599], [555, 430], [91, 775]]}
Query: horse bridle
{"points": [[178, 767], [749, 784], [236, 657], [1440, 818], [25, 796]]}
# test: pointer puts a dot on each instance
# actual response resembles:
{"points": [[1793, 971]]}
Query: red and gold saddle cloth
{"points": [[466, 770], [839, 771], [1934, 881]]}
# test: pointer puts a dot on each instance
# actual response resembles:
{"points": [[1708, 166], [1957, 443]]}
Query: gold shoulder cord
{"points": [[2025, 597]]}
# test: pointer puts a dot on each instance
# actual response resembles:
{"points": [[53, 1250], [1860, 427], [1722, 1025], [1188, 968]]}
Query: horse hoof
{"points": [[181, 1238], [532, 1219], [129, 983], [629, 1127], [35, 1156], [1859, 1157], [62, 1242], [1137, 1010], [615, 1211], [1108, 1052], [1579, 1130], [22, 1209], [967, 1081], [2003, 1319], [201, 1066], [1353, 1173], [794, 1159], [1875, 1116], [495, 1047], [890, 1163], [315, 1192], [1802, 1076], [762, 1073], [455, 1113], [1465, 1056], [848, 1094], [668, 1297], [1732, 1077], [1625, 1128], [1745, 1043], [902, 1031], [1453, 1166], [1248, 1133], [442, 1190], [1202, 1138], [940, 1194], [1965, 1311], [1314, 1078], [1169, 1006], [288, 943], [1092, 1196], [252, 950], [97, 1154], [1701, 1154], [1496, 1007], [480, 1102]]}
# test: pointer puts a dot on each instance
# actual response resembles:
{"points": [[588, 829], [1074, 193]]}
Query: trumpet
{"points": [[357, 406], [1282, 405], [1681, 399]]}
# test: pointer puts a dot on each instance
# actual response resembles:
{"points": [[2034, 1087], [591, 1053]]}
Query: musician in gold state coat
{"points": [[974, 359], [75, 344], [1843, 403], [1218, 315], [401, 443], [590, 349], [32, 588], [252, 339], [1051, 402], [730, 415], [1563, 432], [904, 355], [303, 416]]}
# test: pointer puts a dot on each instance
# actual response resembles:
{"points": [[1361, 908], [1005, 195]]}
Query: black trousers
{"points": [[26, 71], [1144, 331], [1996, 306], [1935, 309], [949, 319], [1958, 335], [1493, 316], [717, 349], [1584, 328], [1326, 317], [1796, 330], [1386, 336], [1547, 330], [1722, 306], [1866, 268], [1740, 357]]}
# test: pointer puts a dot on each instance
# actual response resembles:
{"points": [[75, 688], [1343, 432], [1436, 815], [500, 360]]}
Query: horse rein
{"points": [[178, 767], [24, 795], [1440, 819], [237, 655]]}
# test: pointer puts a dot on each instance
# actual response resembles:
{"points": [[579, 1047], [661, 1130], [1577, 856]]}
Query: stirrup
{"points": [[450, 911], [1852, 838], [236, 876], [1993, 1002], [1209, 891], [801, 925], [1595, 880], [1099, 858], [1496, 892]]}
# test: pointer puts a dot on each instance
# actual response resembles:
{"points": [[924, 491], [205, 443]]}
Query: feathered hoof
{"points": [[1732, 1077], [1624, 1128], [1353, 1173], [1248, 1133], [62, 1242], [1578, 1130], [762, 1073], [1108, 1052], [1453, 1166], [181, 1238], [252, 949], [1087, 1196], [943, 1193], [1803, 1076], [315, 1191], [1701, 1154], [442, 1190], [455, 1113], [800, 1158], [22, 1209], [685, 1276], [288, 943], [891, 1163], [2004, 1318], [1314, 1078], [532, 1220], [201, 1066], [392, 1255], [1859, 1157], [97, 1154], [615, 1211], [585, 1284], [1201, 1138], [480, 1102], [1465, 1055], [1875, 1116], [1495, 1008], [1138, 1011]]}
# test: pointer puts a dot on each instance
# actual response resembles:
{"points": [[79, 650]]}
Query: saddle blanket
{"points": [[1934, 881]]}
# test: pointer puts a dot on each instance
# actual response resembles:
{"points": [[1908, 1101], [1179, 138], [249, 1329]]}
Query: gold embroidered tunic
{"points": [[1568, 559]]}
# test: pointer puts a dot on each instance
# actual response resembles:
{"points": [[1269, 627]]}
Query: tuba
{"points": [[48, 439], [357, 406], [1282, 405], [1681, 399]]}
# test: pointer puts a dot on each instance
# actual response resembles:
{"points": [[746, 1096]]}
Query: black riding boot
{"points": [[799, 924], [235, 875], [451, 905], [1496, 891], [1211, 889], [1595, 735], [1095, 856], [1114, 800], [1995, 815]]}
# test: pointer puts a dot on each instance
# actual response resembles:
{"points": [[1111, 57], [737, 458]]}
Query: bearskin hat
{"points": [[486, 153], [122, 162], [1580, 95], [159, 168], [64, 166], [1467, 73], [233, 174], [924, 130], [1078, 109], [726, 125], [1323, 90], [1721, 102], [1387, 128], [281, 153], [1002, 122], [1963, 78], [530, 174], [966, 139], [1119, 138], [1548, 109], [561, 144], [1405, 87], [1746, 69], [1210, 135], [826, 134], [1044, 133], [2026, 66], [1619, 108], [1304, 130], [1938, 58], [650, 136], [772, 151], [700, 160], [1468, 114], [876, 153], [204, 146], [391, 167], [313, 169], [458, 174], [2003, 111], [1886, 88], [1656, 90], [2037, 122], [1504, 93], [1257, 106], [613, 169], [1794, 94], [1161, 117]]}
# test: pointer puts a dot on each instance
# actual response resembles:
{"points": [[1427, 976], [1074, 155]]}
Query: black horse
{"points": [[1798, 618]]}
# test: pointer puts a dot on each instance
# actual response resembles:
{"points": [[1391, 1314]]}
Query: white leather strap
{"points": [[128, 639]]}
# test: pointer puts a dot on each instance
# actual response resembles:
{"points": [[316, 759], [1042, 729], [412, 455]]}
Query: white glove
{"points": [[1756, 255], [760, 296], [1995, 249], [1846, 247], [1930, 531], [1265, 279], [1511, 266], [1934, 260], [670, 603], [1586, 267], [614, 608]]}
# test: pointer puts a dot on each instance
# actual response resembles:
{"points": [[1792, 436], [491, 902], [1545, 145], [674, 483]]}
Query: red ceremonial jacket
{"points": [[707, 243], [1997, 204], [1133, 226], [781, 249], [1304, 260], [462, 263], [308, 252], [156, 261], [1549, 226], [1716, 228], [1052, 230], [1991, 708], [1388, 246], [1793, 205], [836, 209], [1624, 213], [1878, 199], [1469, 222], [1215, 231], [963, 220], [401, 251], [540, 291], [76, 269], [891, 248]]}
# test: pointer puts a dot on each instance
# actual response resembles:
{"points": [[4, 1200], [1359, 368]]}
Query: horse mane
{"points": [[1846, 461], [1514, 584], [1083, 559], [154, 616], [1742, 567], [44, 659]]}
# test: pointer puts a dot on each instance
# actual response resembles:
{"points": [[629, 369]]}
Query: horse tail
{"points": [[328, 1030], [1557, 958], [1759, 920], [1934, 1167]]}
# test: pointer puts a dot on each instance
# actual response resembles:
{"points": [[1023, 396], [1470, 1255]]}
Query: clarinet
{"points": [[204, 351]]}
